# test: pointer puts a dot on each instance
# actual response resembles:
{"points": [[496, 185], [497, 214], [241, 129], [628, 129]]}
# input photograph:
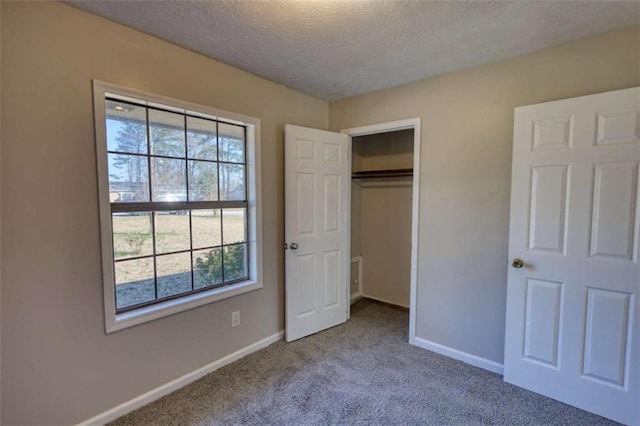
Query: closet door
{"points": [[316, 230]]}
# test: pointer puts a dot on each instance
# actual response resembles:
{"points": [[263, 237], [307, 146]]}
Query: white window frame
{"points": [[114, 321]]}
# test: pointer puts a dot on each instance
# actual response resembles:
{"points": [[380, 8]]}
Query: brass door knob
{"points": [[517, 263]]}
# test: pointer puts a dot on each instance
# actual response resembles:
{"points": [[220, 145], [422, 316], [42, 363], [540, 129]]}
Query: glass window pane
{"points": [[201, 139], [174, 274], [231, 141], [132, 235], [168, 179], [232, 182], [205, 225], [167, 133], [231, 150], [203, 181], [172, 231], [134, 282], [207, 267], [235, 262], [128, 178], [126, 127], [234, 226]]}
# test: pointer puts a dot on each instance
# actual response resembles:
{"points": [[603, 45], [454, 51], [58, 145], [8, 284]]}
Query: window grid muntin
{"points": [[170, 157], [149, 256], [184, 113], [153, 219], [130, 308], [221, 212], [156, 206], [186, 155], [155, 255]]}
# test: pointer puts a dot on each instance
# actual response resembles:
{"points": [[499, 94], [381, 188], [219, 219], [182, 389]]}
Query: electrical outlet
{"points": [[235, 318]]}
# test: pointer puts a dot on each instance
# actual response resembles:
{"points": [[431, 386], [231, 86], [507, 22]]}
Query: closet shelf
{"points": [[374, 174]]}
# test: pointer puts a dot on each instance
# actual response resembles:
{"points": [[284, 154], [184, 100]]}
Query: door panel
{"points": [[606, 336], [316, 209], [614, 204], [305, 268], [548, 202], [542, 326], [572, 323], [618, 127], [305, 207], [332, 203], [552, 134], [331, 277]]}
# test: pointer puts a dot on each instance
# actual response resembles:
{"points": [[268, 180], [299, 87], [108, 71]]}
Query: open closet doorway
{"points": [[384, 204], [318, 184]]}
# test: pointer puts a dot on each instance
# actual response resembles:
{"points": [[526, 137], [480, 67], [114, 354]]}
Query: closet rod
{"points": [[372, 174]]}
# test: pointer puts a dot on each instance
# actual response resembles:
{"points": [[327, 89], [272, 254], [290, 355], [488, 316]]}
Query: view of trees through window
{"points": [[177, 187]]}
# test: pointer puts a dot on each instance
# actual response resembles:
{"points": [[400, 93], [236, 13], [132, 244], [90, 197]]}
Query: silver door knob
{"points": [[517, 263], [294, 246]]}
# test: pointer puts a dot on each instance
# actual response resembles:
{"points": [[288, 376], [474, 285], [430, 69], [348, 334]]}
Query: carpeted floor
{"points": [[362, 372]]}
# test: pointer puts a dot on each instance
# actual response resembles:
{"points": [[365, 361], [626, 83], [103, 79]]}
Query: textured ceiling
{"points": [[335, 49]]}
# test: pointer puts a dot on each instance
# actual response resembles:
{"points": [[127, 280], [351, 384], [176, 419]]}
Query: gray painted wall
{"points": [[59, 367], [467, 129]]}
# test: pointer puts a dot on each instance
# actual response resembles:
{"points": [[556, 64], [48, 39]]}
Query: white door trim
{"points": [[411, 123]]}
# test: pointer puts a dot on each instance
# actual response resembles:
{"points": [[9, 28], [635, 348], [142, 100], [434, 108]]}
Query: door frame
{"points": [[415, 124]]}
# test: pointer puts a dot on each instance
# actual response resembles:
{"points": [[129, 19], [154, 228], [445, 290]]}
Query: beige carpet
{"points": [[362, 372]]}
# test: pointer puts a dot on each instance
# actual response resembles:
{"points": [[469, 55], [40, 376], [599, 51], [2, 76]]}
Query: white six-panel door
{"points": [[317, 186], [572, 326]]}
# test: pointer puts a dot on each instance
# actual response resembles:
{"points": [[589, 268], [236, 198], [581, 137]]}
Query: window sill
{"points": [[170, 307]]}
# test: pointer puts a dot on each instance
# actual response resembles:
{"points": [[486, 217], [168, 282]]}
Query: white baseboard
{"points": [[468, 358], [178, 383], [384, 301], [355, 297]]}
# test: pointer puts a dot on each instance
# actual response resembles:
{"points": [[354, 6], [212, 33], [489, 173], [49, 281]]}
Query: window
{"points": [[178, 195]]}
